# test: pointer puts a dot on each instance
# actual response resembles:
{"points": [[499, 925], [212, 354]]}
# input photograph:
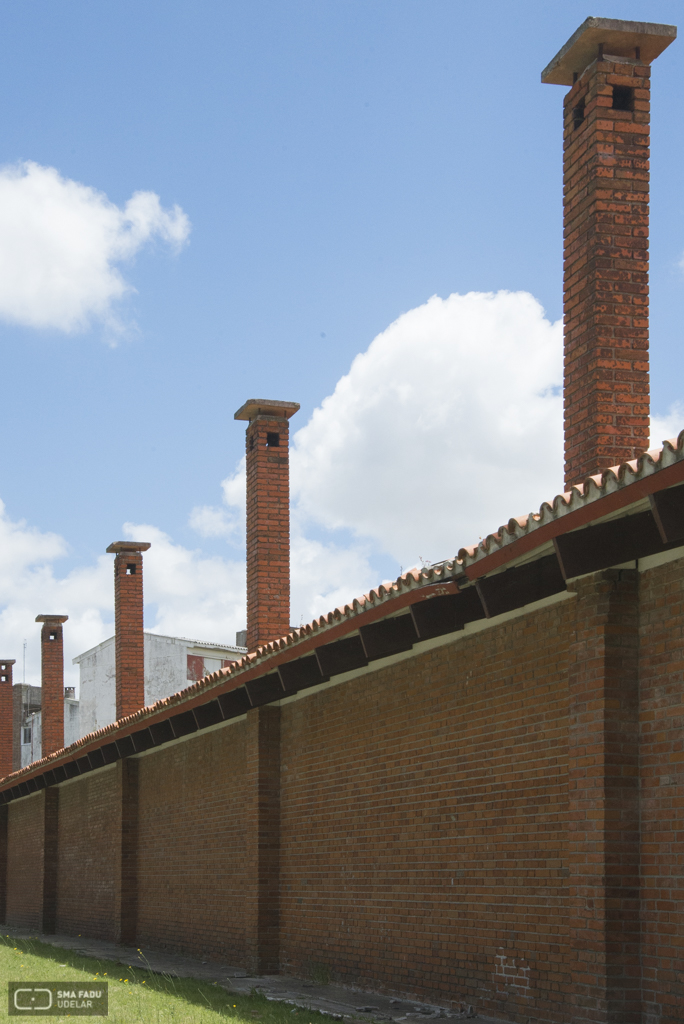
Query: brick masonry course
{"points": [[459, 825]]}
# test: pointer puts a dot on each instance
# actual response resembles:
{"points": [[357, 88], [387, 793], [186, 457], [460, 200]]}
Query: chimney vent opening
{"points": [[130, 569], [53, 636], [623, 97], [3, 679], [272, 440], [578, 115]]}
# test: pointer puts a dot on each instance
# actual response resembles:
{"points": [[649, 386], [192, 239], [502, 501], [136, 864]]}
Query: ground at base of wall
{"points": [[339, 1002]]}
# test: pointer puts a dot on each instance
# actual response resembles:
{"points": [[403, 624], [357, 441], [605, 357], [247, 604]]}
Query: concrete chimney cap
{"points": [[8, 661], [619, 38], [262, 406], [127, 545], [51, 618]]}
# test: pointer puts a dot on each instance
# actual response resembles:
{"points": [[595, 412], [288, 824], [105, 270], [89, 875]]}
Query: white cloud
{"points": [[449, 424], [227, 520], [446, 426], [325, 575], [664, 428], [186, 594], [60, 241], [195, 596], [29, 586]]}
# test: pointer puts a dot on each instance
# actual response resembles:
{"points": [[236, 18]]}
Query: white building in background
{"points": [[31, 730], [171, 664]]}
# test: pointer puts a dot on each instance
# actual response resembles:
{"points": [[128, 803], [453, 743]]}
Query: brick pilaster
{"points": [[125, 834], [128, 614], [6, 717], [603, 774], [4, 820], [52, 683], [262, 819], [268, 519], [50, 859]]}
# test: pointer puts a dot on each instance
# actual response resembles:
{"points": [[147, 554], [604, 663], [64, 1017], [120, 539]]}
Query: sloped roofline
{"points": [[616, 488]]}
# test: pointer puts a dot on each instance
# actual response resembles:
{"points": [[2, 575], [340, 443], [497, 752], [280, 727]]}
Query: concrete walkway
{"points": [[342, 1003]]}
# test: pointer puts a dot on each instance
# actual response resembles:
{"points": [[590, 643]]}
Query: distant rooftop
{"points": [[185, 639]]}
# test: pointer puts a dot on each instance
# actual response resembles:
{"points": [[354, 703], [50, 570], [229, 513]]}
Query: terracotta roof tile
{"points": [[580, 496]]}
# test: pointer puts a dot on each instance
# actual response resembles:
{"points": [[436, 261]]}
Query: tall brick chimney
{"points": [[268, 518], [6, 716], [52, 683], [605, 204], [128, 617]]}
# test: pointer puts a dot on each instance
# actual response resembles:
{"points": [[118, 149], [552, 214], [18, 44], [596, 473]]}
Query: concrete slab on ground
{"points": [[341, 1002]]}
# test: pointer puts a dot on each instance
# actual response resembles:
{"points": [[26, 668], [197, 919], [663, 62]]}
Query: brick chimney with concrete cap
{"points": [[6, 711], [128, 628], [268, 518], [605, 206], [52, 683]]}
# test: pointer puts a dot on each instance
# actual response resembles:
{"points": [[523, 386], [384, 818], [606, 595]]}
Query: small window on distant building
{"points": [[195, 667], [27, 735]]}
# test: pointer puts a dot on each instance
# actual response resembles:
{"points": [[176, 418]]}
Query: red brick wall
{"points": [[191, 866], [52, 684], [87, 855], [605, 202], [268, 530], [262, 848], [603, 806], [3, 862], [26, 820], [424, 815], [662, 801], [461, 825], [130, 640]]}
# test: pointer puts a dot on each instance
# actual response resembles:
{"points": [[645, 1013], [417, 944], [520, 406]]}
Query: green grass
{"points": [[137, 995]]}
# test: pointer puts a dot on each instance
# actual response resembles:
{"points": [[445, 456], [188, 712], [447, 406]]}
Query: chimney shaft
{"points": [[268, 519], [52, 683], [605, 205], [128, 615], [6, 716]]}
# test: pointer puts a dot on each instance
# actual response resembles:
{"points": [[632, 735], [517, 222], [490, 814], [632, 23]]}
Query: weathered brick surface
{"points": [[26, 830], [87, 855], [605, 200], [262, 840], [6, 718], [52, 686], [191, 867], [462, 825], [603, 818], [4, 814], [424, 812], [662, 802], [268, 530], [130, 640]]}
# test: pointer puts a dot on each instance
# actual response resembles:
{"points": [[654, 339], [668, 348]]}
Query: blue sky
{"points": [[339, 163]]}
